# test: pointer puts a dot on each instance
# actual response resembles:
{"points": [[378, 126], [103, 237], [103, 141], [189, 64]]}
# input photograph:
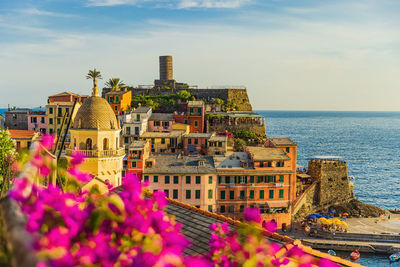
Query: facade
{"points": [[196, 143], [139, 152], [57, 106], [37, 121], [192, 113], [2, 120], [96, 133], [261, 177], [218, 145], [23, 138], [190, 180], [134, 124], [17, 119], [161, 122], [164, 142], [119, 101]]}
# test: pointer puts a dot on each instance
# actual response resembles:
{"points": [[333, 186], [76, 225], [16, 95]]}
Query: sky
{"points": [[290, 54]]}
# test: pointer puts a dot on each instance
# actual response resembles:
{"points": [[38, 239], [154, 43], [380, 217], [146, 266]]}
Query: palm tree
{"points": [[115, 83], [94, 75]]}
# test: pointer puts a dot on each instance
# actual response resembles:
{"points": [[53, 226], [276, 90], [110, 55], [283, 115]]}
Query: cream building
{"points": [[96, 133]]}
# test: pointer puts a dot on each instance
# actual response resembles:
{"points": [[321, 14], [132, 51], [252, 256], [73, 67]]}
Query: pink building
{"points": [[161, 122], [191, 180], [196, 143], [37, 121]]}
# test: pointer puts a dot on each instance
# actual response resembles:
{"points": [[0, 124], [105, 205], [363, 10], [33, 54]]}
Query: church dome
{"points": [[96, 113]]}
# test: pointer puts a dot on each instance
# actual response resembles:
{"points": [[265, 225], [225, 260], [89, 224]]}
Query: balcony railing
{"points": [[99, 153]]}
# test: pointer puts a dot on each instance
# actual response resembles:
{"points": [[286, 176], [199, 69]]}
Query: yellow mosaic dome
{"points": [[96, 113]]}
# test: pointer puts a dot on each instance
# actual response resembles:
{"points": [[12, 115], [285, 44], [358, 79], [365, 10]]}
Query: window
{"points": [[222, 195], [210, 179], [128, 130], [198, 179], [251, 179], [281, 193], [271, 179], [210, 193], [287, 149], [162, 140], [50, 120], [281, 178], [126, 140], [146, 178], [105, 144], [191, 110], [51, 110], [29, 144], [189, 141], [231, 194], [59, 111], [188, 194], [261, 164], [42, 119], [133, 164], [210, 208], [117, 99], [271, 194], [241, 208], [185, 122], [152, 141], [251, 194], [269, 164], [278, 164], [231, 209], [155, 190], [166, 179], [138, 117], [155, 179], [175, 194], [58, 121], [166, 191], [197, 194], [222, 209], [219, 144], [33, 119], [259, 179], [176, 179], [196, 123], [199, 110], [196, 141], [115, 107], [261, 194], [242, 194], [51, 131], [88, 144], [187, 179], [67, 110]]}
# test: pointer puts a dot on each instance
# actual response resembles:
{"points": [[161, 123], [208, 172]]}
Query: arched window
{"points": [[74, 142], [88, 144], [106, 144], [116, 143]]}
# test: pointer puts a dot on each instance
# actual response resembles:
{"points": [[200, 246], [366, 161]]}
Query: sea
{"points": [[368, 141]]}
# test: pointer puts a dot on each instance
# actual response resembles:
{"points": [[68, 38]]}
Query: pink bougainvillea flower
{"points": [[47, 141], [77, 157], [252, 215], [327, 263], [270, 226]]}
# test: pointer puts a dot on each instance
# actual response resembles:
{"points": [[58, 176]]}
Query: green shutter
{"points": [[198, 179], [251, 194], [271, 194], [210, 193], [222, 194], [209, 179], [155, 178], [251, 179], [280, 193], [242, 194], [281, 178], [167, 179], [261, 194], [176, 179]]}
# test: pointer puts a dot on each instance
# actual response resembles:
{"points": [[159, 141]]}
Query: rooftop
{"points": [[65, 94], [141, 110], [218, 138], [195, 103], [232, 160], [137, 145], [172, 134], [22, 134], [238, 114], [266, 153], [122, 92], [18, 110], [282, 141], [178, 164], [162, 117], [198, 135]]}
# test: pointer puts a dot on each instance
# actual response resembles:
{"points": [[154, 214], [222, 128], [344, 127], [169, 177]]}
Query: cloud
{"points": [[111, 2], [211, 3], [37, 12], [174, 4]]}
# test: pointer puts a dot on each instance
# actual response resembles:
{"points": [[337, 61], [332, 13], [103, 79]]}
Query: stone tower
{"points": [[96, 133], [166, 68]]}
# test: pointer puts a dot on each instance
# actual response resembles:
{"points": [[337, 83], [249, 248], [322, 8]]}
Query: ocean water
{"points": [[368, 141]]}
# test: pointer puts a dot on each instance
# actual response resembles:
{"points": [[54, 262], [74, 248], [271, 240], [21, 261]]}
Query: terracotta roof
{"points": [[118, 92], [195, 103], [267, 153], [282, 141], [162, 117], [22, 134], [64, 93], [198, 135], [172, 134]]}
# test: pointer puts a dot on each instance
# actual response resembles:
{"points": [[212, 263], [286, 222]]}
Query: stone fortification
{"points": [[251, 127], [238, 96]]}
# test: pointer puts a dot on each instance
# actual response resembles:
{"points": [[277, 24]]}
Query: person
{"points": [[389, 217]]}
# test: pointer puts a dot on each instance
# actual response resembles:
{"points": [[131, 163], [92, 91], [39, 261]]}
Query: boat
{"points": [[395, 257], [331, 252], [355, 255]]}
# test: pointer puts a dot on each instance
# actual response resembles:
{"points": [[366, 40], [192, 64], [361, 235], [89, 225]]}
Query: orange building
{"points": [[23, 138], [139, 152], [262, 177], [119, 100], [191, 113]]}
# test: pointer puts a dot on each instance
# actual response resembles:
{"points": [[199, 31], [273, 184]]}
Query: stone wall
{"points": [[257, 129]]}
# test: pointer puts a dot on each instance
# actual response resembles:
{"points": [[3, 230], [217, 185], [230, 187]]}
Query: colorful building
{"points": [[161, 122], [17, 119], [139, 152], [164, 142], [23, 138], [187, 179], [134, 123], [119, 101], [37, 121], [196, 143], [219, 145], [2, 124], [192, 113]]}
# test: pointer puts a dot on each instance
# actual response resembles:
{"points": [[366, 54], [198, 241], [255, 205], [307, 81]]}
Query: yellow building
{"points": [[162, 142], [96, 133], [119, 100]]}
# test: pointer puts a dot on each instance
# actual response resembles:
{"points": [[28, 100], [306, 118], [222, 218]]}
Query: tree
{"points": [[115, 84], [94, 75], [7, 158], [239, 144], [184, 95]]}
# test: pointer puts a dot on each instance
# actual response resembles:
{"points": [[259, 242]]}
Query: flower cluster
{"points": [[129, 227]]}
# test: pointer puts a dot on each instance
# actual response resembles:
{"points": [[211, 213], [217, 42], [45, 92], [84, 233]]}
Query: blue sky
{"points": [[302, 55]]}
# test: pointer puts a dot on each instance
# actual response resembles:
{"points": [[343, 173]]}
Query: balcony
{"points": [[99, 153]]}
